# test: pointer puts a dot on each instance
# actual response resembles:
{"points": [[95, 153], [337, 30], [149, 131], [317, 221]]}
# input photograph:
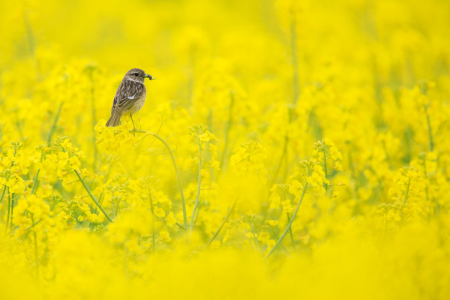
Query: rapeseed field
{"points": [[286, 150]]}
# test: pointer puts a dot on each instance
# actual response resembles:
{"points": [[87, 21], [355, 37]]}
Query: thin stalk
{"points": [[289, 224], [199, 182], [93, 119], [174, 162], [54, 123], [430, 133], [282, 246], [290, 232], [3, 194], [179, 225], [35, 182], [258, 248], [34, 224], [285, 146], [295, 89], [296, 73], [228, 126], [221, 225], [153, 221], [92, 196], [12, 213], [406, 198], [325, 167], [4, 186], [9, 211]]}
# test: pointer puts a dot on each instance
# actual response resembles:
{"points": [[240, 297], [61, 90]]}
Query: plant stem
{"points": [[92, 196], [325, 167], [430, 133], [199, 185], [282, 246], [54, 123], [406, 198], [290, 232], [34, 224], [93, 118], [228, 126], [9, 211], [12, 213], [296, 73], [285, 146], [255, 240], [174, 162], [3, 194], [35, 182], [295, 90], [289, 224], [221, 225], [153, 220]]}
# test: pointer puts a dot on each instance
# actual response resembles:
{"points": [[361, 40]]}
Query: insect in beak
{"points": [[149, 77]]}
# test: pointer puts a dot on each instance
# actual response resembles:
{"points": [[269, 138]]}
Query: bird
{"points": [[130, 96]]}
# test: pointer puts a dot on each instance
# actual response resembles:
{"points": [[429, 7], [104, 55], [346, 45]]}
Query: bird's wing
{"points": [[127, 93]]}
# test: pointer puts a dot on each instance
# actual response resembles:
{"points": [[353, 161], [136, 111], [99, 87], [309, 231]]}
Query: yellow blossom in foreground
{"points": [[286, 148]]}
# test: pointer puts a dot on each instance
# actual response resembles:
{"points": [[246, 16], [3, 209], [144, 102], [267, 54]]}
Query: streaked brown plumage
{"points": [[130, 96]]}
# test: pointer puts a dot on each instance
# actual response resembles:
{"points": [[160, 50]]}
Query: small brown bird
{"points": [[130, 96]]}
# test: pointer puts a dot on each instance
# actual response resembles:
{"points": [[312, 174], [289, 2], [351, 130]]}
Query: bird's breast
{"points": [[138, 103]]}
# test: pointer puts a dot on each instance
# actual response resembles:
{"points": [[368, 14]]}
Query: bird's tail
{"points": [[114, 120]]}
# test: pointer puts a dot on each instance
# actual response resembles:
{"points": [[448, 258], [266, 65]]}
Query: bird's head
{"points": [[137, 75]]}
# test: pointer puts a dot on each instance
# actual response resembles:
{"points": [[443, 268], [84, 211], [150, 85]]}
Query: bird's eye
{"points": [[136, 74]]}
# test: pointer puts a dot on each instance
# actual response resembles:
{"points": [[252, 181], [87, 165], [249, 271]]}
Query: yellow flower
{"points": [[66, 144], [164, 237], [84, 173], [170, 219], [159, 212], [272, 223]]}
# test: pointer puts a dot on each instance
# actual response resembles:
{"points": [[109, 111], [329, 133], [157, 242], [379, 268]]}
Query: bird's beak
{"points": [[149, 77]]}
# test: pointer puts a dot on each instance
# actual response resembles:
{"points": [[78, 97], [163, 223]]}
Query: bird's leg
{"points": [[134, 131]]}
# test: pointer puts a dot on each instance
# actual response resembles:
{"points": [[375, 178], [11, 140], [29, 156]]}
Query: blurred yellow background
{"points": [[320, 168]]}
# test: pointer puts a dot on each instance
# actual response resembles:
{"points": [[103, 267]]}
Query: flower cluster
{"points": [[250, 158], [408, 193], [318, 155], [13, 165], [114, 138]]}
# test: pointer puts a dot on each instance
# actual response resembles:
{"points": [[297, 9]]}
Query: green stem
{"points": [[9, 211], [221, 225], [282, 246], [290, 232], [255, 240], [93, 119], [35, 182], [325, 167], [296, 73], [430, 133], [3, 194], [153, 220], [174, 162], [289, 224], [228, 126], [54, 123], [406, 198], [179, 225], [199, 183], [34, 224], [92, 196], [12, 212], [285, 146]]}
